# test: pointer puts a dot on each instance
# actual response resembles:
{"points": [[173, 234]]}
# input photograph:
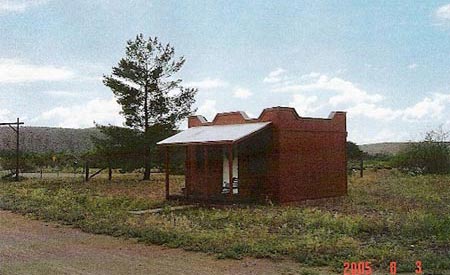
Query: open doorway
{"points": [[226, 174]]}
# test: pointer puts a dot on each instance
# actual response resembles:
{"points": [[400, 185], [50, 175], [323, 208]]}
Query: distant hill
{"points": [[45, 139], [389, 148]]}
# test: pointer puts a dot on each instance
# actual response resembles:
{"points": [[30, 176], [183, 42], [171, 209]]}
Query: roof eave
{"points": [[219, 142]]}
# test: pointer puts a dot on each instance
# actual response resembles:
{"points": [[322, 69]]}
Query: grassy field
{"points": [[387, 216]]}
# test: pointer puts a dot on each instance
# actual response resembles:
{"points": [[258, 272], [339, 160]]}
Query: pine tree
{"points": [[144, 85]]}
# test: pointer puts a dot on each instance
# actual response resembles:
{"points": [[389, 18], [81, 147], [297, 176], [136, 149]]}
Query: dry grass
{"points": [[386, 216], [132, 186]]}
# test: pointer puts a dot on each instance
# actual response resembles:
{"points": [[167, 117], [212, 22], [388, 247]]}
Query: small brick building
{"points": [[278, 156]]}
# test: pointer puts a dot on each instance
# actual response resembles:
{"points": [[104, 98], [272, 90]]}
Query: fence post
{"points": [[361, 167], [167, 170], [109, 171], [86, 179]]}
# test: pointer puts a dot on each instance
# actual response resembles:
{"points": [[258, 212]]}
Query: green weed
{"points": [[386, 216]]}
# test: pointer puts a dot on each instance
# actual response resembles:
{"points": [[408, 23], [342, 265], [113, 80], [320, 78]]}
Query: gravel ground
{"points": [[29, 246]]}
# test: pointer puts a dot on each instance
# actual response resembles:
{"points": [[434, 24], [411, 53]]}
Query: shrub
{"points": [[430, 156]]}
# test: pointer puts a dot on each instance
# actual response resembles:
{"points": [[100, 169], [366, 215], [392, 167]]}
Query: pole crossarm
{"points": [[10, 123]]}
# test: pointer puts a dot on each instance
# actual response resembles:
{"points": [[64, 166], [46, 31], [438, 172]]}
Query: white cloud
{"points": [[305, 105], [103, 111], [206, 84], [443, 13], [346, 91], [431, 107], [316, 94], [412, 66], [242, 93], [310, 75], [382, 135], [371, 110], [19, 5], [17, 71], [428, 108], [349, 93], [208, 109], [275, 76], [340, 94]]}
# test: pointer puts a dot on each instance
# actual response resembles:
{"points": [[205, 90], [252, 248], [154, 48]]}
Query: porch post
{"points": [[205, 171], [167, 172], [230, 169], [187, 171]]}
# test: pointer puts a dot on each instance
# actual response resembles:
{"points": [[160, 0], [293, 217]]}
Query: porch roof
{"points": [[218, 134]]}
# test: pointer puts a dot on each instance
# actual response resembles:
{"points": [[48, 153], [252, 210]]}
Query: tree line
{"points": [[431, 155]]}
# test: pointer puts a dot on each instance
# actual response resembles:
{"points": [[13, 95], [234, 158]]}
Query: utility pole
{"points": [[17, 130], [17, 149]]}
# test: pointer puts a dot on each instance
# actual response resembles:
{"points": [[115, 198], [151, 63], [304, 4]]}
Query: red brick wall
{"points": [[204, 178], [307, 157], [312, 165], [311, 155], [254, 161], [194, 121]]}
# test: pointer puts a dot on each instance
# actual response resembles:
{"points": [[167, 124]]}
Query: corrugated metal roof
{"points": [[214, 133]]}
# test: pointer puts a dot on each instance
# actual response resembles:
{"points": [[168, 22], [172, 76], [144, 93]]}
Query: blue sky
{"points": [[387, 63]]}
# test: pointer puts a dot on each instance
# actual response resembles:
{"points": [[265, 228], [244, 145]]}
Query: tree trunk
{"points": [[146, 128], [147, 163]]}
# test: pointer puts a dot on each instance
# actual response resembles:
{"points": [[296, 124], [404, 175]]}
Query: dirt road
{"points": [[34, 247]]}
